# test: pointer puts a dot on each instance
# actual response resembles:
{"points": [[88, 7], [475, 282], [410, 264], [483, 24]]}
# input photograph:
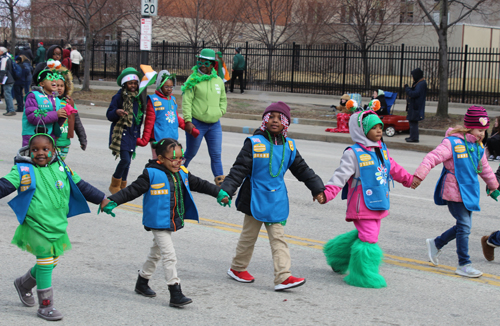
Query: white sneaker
{"points": [[491, 157], [433, 252], [497, 158], [468, 271]]}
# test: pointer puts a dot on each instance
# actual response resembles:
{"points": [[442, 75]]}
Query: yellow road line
{"points": [[317, 244]]}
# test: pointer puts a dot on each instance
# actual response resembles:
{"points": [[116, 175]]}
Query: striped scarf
{"points": [[125, 121]]}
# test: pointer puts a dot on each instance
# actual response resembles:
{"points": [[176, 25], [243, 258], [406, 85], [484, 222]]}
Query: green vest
{"points": [[63, 140], [44, 104]]}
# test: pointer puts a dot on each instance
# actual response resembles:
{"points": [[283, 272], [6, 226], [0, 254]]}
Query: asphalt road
{"points": [[94, 282]]}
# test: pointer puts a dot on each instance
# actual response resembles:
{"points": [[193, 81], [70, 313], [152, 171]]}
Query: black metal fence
{"points": [[474, 73]]}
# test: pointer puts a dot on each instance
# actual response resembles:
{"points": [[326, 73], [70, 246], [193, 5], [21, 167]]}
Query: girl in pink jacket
{"points": [[367, 169], [463, 157]]}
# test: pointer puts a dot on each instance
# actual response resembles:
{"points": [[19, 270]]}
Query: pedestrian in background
{"points": [[76, 58], [239, 65], [415, 103], [7, 80], [40, 54]]}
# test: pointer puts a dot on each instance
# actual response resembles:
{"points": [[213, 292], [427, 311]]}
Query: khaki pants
{"points": [[163, 248], [279, 248]]}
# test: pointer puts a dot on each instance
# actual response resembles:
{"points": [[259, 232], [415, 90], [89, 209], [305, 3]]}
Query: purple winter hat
{"points": [[476, 118], [278, 107]]}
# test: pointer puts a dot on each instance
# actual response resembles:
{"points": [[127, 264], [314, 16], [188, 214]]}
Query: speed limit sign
{"points": [[149, 8]]}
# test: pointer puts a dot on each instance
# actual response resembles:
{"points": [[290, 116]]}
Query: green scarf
{"points": [[125, 121], [196, 78]]}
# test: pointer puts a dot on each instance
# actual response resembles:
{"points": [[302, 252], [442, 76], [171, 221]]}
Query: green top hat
{"points": [[128, 74], [207, 54]]}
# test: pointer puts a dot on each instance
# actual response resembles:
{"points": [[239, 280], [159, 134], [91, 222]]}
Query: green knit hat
{"points": [[207, 54], [369, 121], [127, 75], [219, 54]]}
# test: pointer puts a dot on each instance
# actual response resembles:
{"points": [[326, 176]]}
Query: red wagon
{"points": [[393, 123]]}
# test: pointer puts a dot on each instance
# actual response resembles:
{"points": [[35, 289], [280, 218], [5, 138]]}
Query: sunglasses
{"points": [[205, 63], [53, 76]]}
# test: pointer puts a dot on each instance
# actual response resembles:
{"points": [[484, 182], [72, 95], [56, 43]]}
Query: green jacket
{"points": [[206, 101], [40, 55], [239, 62]]}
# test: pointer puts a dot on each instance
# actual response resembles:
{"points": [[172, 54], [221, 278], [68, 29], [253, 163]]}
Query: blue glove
{"points": [[222, 194], [108, 209]]}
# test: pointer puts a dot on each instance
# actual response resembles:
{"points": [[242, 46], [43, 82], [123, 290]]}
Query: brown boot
{"points": [[488, 251], [218, 180], [123, 184], [115, 185]]}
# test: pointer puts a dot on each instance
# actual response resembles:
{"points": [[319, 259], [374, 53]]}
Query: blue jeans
{"points": [[7, 93], [121, 171], [494, 239], [18, 94], [213, 136], [460, 232]]}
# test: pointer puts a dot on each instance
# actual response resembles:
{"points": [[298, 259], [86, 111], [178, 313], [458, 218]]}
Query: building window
{"points": [[406, 15]]}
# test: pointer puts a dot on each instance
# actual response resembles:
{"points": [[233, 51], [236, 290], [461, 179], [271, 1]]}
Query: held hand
{"points": [[321, 198], [493, 193], [61, 113], [416, 182], [223, 198], [83, 146], [104, 202], [107, 207], [70, 101], [189, 127], [121, 112]]}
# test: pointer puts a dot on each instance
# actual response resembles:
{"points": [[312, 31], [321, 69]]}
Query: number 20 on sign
{"points": [[149, 7]]}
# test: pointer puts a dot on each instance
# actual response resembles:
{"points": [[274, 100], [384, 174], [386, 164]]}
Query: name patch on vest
{"points": [[465, 155], [157, 103], [159, 108], [259, 147], [24, 188], [290, 143], [366, 163], [365, 157], [26, 179], [159, 192], [158, 185], [265, 155], [459, 148], [385, 155]]}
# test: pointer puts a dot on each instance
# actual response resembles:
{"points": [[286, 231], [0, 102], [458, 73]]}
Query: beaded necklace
{"points": [[178, 196], [51, 191], [271, 156], [479, 168]]}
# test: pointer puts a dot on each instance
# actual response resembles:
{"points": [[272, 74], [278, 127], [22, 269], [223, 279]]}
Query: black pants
{"points": [[239, 74], [493, 144], [75, 70], [414, 130]]}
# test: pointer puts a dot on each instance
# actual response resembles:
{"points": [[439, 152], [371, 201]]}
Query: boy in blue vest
{"points": [[48, 194], [43, 108], [260, 169], [166, 185]]}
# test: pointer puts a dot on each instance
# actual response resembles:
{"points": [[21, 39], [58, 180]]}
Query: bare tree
{"points": [[226, 22], [269, 22], [310, 21], [365, 23], [94, 16], [13, 12], [464, 10]]}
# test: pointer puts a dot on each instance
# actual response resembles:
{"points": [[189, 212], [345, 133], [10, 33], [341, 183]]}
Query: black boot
{"points": [[177, 299], [143, 288]]}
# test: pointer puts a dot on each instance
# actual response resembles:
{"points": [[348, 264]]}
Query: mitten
{"points": [[108, 209], [222, 194]]}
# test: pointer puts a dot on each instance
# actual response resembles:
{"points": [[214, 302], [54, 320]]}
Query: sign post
{"points": [[148, 8]]}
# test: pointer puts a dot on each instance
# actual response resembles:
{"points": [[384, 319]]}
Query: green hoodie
{"points": [[206, 101], [239, 62]]}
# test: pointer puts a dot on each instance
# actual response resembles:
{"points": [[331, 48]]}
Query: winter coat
{"points": [[443, 153], [416, 97], [8, 69], [242, 168], [26, 51], [40, 55], [349, 170], [66, 61], [130, 134], [142, 185], [239, 62], [75, 57], [42, 64], [383, 105], [206, 101]]}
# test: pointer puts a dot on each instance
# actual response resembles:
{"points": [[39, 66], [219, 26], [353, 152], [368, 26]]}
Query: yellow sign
{"points": [[158, 185], [290, 143], [159, 192], [265, 155], [259, 148], [459, 148], [365, 157], [366, 164]]}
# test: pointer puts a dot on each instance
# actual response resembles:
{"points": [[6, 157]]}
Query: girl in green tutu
{"points": [[49, 192]]}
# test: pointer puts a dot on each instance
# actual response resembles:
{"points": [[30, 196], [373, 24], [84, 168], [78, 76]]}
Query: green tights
{"points": [[42, 271]]}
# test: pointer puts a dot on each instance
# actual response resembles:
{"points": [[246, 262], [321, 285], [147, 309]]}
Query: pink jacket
{"points": [[443, 154]]}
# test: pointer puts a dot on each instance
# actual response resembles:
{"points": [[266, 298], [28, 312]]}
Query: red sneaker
{"points": [[244, 276], [291, 282]]}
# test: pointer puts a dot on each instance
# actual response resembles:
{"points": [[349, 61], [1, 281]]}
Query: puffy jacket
{"points": [[349, 170], [239, 62], [443, 153], [205, 101], [416, 96], [130, 134], [40, 55], [242, 168]]}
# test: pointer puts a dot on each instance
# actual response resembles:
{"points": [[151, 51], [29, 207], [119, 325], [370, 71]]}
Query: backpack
{"points": [[67, 63], [17, 71]]}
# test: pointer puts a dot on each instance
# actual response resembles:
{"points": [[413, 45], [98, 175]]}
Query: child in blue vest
{"points": [[365, 172], [463, 157], [43, 109], [492, 241], [162, 119], [260, 169], [125, 112], [48, 194], [166, 185]]}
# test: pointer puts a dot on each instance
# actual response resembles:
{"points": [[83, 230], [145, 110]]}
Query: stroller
{"points": [[393, 123]]}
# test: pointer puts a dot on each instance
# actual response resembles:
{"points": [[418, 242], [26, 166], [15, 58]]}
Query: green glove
{"points": [[108, 209], [493, 194], [222, 194]]}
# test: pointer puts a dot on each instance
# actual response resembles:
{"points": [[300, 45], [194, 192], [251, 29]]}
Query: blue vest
{"points": [[269, 196], [467, 176], [44, 104], [166, 124], [374, 178], [20, 204], [156, 202]]}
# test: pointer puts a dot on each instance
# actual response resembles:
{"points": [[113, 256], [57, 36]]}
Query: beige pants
{"points": [[279, 248], [163, 248]]}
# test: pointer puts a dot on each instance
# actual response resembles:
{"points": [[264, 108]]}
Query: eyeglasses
{"points": [[180, 161], [205, 63]]}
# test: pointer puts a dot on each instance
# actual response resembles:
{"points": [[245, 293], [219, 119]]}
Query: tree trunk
{"points": [[87, 61], [442, 108], [13, 37], [366, 69], [270, 65]]}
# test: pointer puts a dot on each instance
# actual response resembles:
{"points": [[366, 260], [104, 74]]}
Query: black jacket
{"points": [[142, 185], [41, 66], [416, 96], [242, 168]]}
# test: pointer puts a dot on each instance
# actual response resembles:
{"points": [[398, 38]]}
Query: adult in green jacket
{"points": [[239, 65], [203, 103], [40, 54]]}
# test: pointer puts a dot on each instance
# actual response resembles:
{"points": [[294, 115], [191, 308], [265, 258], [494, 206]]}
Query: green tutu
{"points": [[31, 241]]}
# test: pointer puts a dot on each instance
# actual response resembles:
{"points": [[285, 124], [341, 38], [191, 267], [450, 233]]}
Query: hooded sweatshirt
{"points": [[349, 169], [41, 66]]}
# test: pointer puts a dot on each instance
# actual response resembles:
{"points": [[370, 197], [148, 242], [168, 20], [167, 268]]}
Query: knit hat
{"points": [[163, 76], [380, 92], [127, 75], [207, 54], [345, 97], [476, 118], [41, 43], [370, 120], [219, 53], [278, 107], [238, 49]]}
